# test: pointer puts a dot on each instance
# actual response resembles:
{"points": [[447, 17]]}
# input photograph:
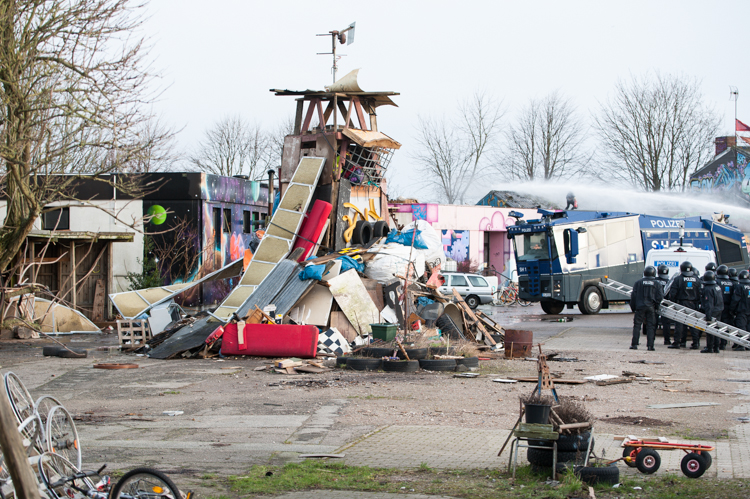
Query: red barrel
{"points": [[271, 340], [518, 343]]}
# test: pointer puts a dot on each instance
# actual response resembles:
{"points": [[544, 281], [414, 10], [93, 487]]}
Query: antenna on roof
{"points": [[342, 37]]}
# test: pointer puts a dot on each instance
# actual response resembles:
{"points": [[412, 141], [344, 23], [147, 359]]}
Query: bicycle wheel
{"points": [[54, 467], [19, 396], [62, 436], [523, 303], [44, 405], [145, 483], [506, 297]]}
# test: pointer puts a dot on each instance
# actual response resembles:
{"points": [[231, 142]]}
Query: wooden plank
{"points": [[679, 405], [535, 379], [486, 337], [98, 312], [286, 363], [616, 381], [375, 290], [342, 324]]}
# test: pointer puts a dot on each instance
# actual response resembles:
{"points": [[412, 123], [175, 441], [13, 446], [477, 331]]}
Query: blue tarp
{"points": [[405, 238]]}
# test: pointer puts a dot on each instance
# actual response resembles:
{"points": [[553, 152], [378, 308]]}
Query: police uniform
{"points": [[727, 288], [684, 289], [666, 324], [712, 304], [648, 294]]}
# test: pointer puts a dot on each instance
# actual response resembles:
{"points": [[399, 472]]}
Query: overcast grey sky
{"points": [[222, 57]]}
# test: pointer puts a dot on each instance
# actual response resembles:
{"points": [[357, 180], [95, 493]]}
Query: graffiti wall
{"points": [[727, 174], [201, 223], [475, 233]]}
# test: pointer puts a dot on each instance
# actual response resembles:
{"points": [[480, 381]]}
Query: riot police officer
{"points": [[648, 294], [727, 288], [741, 303], [666, 324], [712, 303], [684, 290]]}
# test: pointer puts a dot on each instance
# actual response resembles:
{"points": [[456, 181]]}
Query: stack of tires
{"points": [[364, 231], [571, 449]]}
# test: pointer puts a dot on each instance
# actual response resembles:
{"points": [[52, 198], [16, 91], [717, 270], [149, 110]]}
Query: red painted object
{"points": [[312, 227], [271, 340]]}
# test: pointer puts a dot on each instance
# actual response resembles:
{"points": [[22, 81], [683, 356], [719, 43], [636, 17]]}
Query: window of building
{"points": [[56, 219], [247, 222], [227, 220], [217, 228], [257, 223]]}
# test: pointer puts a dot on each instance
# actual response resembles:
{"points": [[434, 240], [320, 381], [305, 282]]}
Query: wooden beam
{"points": [[308, 117], [360, 114], [16, 460], [349, 114], [344, 113], [321, 117], [327, 113], [298, 116], [73, 264]]}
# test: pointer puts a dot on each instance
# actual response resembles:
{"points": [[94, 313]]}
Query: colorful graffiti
{"points": [[729, 175], [456, 244]]}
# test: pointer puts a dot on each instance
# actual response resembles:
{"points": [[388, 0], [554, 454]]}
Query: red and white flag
{"points": [[741, 127]]}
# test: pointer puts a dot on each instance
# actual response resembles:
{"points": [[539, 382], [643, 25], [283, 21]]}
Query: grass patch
{"points": [[170, 392], [474, 484]]}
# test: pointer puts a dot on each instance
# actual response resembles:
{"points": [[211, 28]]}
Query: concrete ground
{"points": [[234, 417]]}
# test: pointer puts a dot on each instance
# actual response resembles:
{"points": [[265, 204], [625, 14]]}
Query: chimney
{"points": [[724, 143]]}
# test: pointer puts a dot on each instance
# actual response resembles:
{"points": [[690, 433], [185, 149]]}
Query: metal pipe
{"points": [[270, 197]]}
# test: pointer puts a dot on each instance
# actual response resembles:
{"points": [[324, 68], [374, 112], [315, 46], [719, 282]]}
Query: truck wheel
{"points": [[552, 307], [591, 303], [472, 301]]}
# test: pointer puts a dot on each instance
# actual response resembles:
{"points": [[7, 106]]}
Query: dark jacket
{"points": [[741, 298], [727, 288], [684, 287], [648, 292], [712, 300]]}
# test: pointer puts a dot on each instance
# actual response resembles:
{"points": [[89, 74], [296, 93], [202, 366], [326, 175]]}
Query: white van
{"points": [[673, 256]]}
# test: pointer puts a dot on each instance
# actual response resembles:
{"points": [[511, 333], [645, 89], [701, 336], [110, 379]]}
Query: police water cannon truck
{"points": [[564, 256]]}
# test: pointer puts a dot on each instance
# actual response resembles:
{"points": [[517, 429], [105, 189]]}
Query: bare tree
{"points": [[276, 141], [656, 130], [453, 155], [72, 80], [159, 152], [233, 147], [545, 142]]}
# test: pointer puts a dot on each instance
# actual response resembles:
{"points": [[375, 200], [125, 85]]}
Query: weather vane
{"points": [[342, 38]]}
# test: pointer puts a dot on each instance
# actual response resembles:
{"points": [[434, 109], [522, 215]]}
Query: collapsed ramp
{"points": [[688, 316]]}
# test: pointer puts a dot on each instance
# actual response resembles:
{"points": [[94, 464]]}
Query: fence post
{"points": [[16, 460]]}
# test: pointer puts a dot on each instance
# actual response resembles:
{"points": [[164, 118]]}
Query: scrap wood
{"points": [[285, 363], [646, 362], [681, 405], [477, 323], [535, 379], [311, 369], [615, 381]]}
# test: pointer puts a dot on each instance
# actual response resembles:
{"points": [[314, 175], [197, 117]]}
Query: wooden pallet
{"points": [[133, 332]]}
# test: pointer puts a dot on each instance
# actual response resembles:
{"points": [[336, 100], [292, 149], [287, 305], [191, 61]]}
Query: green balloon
{"points": [[158, 214]]}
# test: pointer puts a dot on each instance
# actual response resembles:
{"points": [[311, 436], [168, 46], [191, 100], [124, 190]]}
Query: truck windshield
{"points": [[533, 247]]}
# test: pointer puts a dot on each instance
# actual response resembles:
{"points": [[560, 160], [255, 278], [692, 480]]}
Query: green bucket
{"points": [[385, 332]]}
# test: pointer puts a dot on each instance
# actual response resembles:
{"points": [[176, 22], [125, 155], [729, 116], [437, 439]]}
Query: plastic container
{"points": [[538, 414], [385, 331]]}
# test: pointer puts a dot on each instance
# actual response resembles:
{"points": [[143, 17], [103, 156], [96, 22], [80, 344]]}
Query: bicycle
{"points": [[507, 293]]}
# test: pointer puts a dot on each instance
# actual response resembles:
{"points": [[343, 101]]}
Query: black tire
{"points": [[543, 457], [55, 351], [400, 366], [363, 364], [362, 233], [377, 352], [609, 475], [707, 457], [648, 461], [438, 364], [413, 353], [552, 307], [469, 362], [441, 351], [693, 465], [341, 362], [448, 327], [570, 443], [591, 301], [124, 484], [380, 229], [472, 301], [628, 451]]}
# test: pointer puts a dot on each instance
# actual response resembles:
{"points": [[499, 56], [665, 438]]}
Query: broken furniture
{"points": [[270, 340], [529, 433], [132, 334]]}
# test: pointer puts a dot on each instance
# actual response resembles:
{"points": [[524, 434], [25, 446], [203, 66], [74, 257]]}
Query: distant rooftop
{"points": [[512, 199]]}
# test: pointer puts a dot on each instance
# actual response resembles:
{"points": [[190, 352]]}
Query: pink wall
{"points": [[463, 228]]}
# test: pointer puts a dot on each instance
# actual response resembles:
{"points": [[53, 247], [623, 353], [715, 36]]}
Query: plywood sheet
{"points": [[314, 308], [342, 324], [375, 290], [353, 299]]}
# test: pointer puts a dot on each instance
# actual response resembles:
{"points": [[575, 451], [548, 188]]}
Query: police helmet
{"points": [[733, 274], [649, 272], [662, 270], [710, 266], [709, 276], [744, 275], [686, 267], [722, 271]]}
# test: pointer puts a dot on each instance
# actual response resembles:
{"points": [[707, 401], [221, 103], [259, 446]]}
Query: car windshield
{"points": [[533, 247]]}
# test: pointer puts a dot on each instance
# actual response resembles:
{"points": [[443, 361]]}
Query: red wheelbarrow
{"points": [[643, 455]]}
